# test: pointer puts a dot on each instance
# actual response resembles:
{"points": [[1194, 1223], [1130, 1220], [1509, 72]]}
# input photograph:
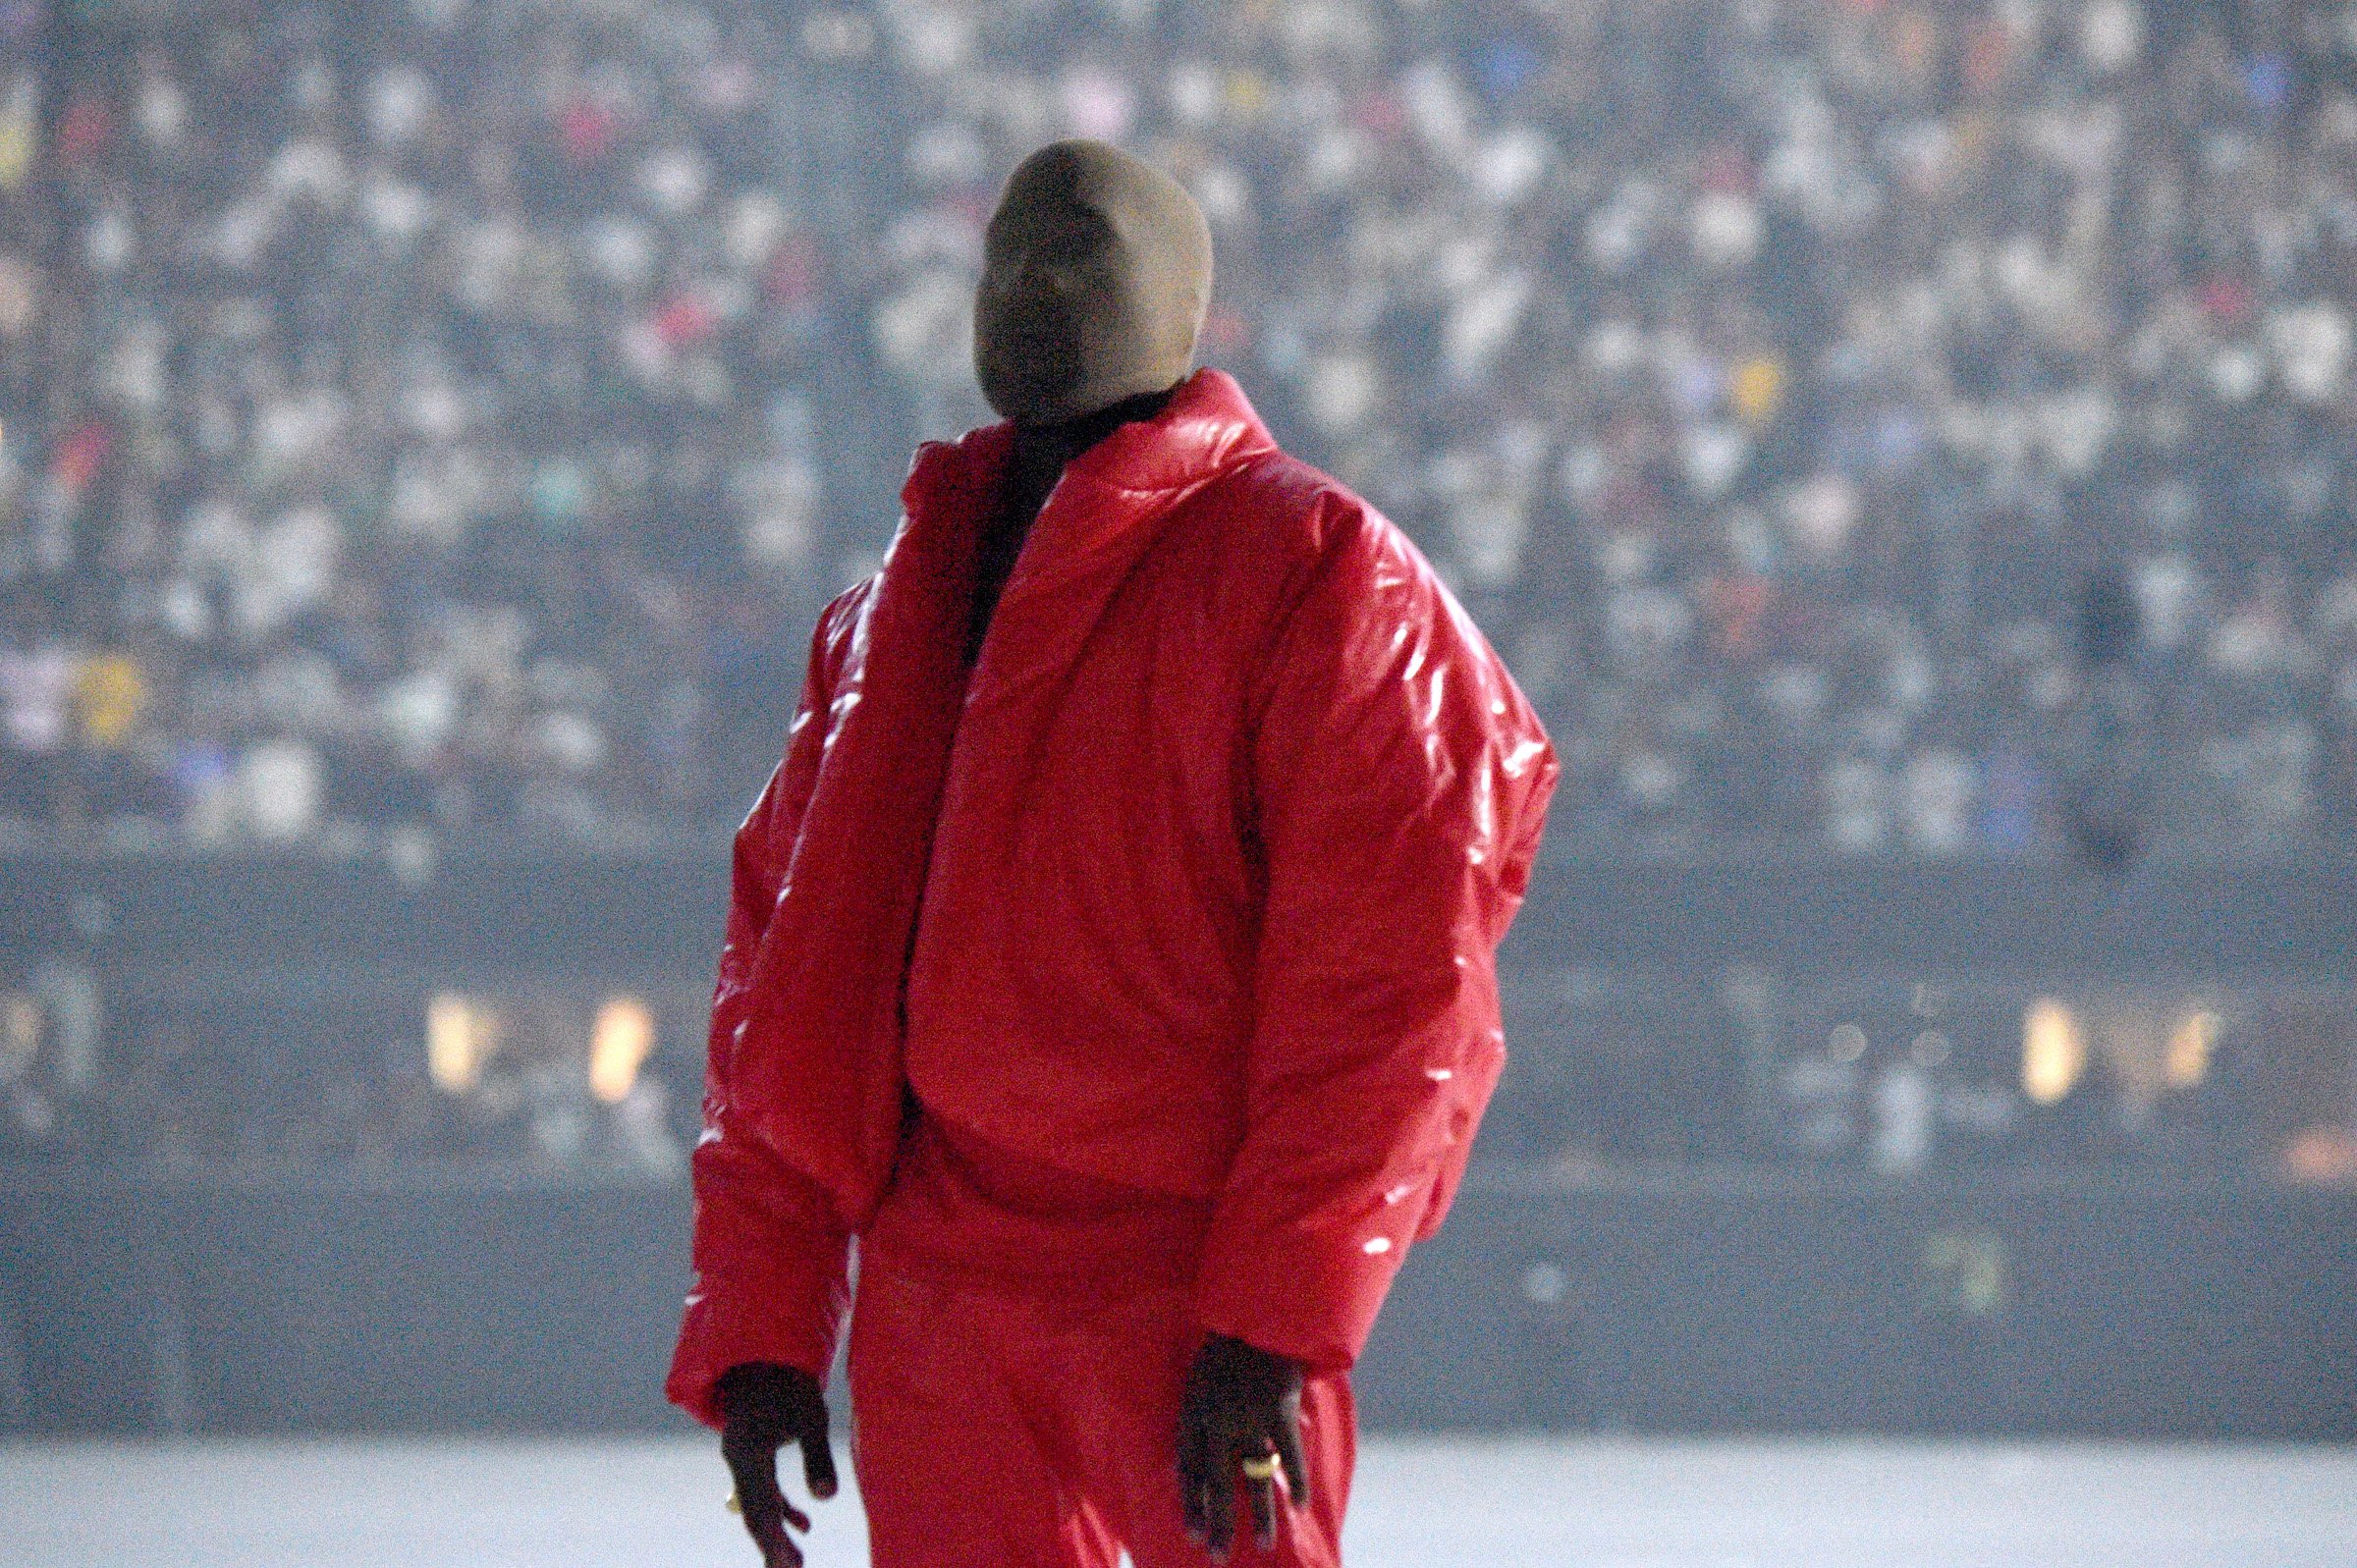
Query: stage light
{"points": [[620, 1040], [460, 1037], [2190, 1043], [21, 1023], [2054, 1051]]}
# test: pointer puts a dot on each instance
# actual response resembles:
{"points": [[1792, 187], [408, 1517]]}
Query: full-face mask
{"points": [[1096, 272]]}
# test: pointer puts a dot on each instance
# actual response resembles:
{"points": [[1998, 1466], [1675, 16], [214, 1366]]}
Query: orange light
{"points": [[619, 1043], [2322, 1157], [2190, 1043], [460, 1037], [2054, 1051]]}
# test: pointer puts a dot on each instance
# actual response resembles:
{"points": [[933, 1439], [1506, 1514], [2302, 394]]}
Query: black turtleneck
{"points": [[1041, 451]]}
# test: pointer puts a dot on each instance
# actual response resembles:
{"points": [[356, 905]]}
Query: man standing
{"points": [[1112, 952]]}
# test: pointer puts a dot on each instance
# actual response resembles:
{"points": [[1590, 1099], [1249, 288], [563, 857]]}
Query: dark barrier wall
{"points": [[662, 913], [1757, 1305], [2077, 1306], [1775, 1301]]}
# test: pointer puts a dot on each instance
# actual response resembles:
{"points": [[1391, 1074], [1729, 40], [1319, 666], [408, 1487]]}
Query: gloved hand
{"points": [[764, 1406], [1241, 1405]]}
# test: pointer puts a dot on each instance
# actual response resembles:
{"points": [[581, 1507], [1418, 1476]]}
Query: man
{"points": [[1111, 952]]}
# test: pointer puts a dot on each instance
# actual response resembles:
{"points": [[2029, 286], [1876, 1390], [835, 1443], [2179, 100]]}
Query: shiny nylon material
{"points": [[996, 1427], [1193, 887]]}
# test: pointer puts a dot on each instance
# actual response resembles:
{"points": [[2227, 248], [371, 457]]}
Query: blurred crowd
{"points": [[1905, 1078], [412, 424], [1617, 1071], [1861, 424], [210, 1079]]}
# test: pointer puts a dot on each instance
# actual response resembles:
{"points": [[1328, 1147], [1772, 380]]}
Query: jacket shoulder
{"points": [[841, 624], [1295, 518]]}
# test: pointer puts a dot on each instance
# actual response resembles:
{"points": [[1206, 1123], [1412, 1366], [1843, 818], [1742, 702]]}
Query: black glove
{"points": [[764, 1406], [1239, 1405]]}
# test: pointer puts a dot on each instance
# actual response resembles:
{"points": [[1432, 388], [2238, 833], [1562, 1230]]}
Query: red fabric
{"points": [[962, 1208], [1232, 816], [997, 1426], [1017, 1357], [770, 1262]]}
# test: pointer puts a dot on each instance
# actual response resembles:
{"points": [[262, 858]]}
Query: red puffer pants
{"points": [[1028, 1419]]}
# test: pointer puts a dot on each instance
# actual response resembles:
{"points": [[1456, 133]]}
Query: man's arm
{"points": [[771, 1259], [1400, 784]]}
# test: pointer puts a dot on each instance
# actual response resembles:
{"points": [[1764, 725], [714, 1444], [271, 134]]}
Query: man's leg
{"points": [[951, 1461], [1118, 1368]]}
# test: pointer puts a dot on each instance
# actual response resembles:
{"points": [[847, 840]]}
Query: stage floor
{"points": [[1420, 1504]]}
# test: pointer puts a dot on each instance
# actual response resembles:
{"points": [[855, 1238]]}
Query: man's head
{"points": [[1096, 270]]}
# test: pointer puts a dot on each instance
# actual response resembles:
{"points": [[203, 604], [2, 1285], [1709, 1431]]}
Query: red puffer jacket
{"points": [[1193, 887]]}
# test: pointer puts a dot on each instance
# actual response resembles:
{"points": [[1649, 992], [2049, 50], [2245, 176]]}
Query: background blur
{"points": [[1904, 448]]}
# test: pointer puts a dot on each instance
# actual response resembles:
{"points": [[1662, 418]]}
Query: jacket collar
{"points": [[1207, 427]]}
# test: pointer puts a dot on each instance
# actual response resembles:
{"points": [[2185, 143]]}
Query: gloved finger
{"points": [[778, 1549], [753, 1466], [769, 1538], [1218, 1509], [768, 1531], [1195, 1464], [1202, 1500], [818, 1455], [754, 1469], [1261, 1494], [1289, 1458], [769, 1517]]}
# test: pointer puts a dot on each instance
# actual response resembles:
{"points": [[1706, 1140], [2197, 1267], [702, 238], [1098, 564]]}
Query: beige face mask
{"points": [[1096, 270]]}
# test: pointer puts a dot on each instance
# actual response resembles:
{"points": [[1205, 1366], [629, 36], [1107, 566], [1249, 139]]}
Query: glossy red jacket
{"points": [[1195, 885]]}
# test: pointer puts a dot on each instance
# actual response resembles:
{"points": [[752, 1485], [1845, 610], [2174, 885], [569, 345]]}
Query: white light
{"points": [[2187, 1062], [460, 1037], [620, 1040], [2054, 1051]]}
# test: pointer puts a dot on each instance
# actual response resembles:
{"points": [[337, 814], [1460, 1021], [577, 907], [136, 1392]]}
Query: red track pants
{"points": [[1012, 1419]]}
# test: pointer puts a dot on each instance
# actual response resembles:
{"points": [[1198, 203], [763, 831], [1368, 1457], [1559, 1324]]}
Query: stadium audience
{"points": [[449, 415], [1616, 1070]]}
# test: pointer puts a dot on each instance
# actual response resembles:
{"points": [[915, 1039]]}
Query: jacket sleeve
{"points": [[771, 1262], [1400, 784]]}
